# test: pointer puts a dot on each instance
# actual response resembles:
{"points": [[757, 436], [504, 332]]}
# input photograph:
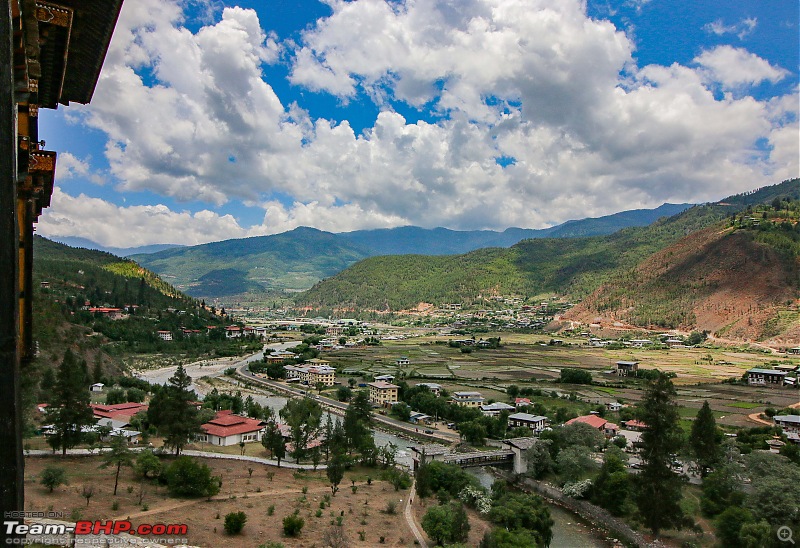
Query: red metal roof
{"points": [[594, 421], [120, 409], [226, 424]]}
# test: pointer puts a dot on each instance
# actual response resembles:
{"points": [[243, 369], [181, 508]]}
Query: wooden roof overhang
{"points": [[59, 49]]}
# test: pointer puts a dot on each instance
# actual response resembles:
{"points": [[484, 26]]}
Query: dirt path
{"points": [[754, 417], [412, 524], [182, 504]]}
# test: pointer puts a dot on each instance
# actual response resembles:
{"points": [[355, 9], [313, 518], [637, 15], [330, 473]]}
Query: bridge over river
{"points": [[423, 454]]}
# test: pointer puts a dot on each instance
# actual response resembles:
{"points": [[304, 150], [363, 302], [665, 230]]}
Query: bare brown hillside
{"points": [[715, 280]]}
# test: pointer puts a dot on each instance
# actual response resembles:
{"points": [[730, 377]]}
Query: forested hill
{"points": [[572, 267], [442, 241], [100, 277], [292, 260], [66, 279], [738, 279], [297, 259]]}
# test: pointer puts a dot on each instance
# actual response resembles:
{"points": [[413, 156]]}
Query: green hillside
{"points": [[574, 267], [738, 278], [290, 261], [68, 282]]}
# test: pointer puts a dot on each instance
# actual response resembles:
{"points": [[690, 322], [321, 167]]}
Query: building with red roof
{"points": [[598, 423], [228, 429], [118, 411]]}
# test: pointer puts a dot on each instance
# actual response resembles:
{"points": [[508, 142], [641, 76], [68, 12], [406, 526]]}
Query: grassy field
{"points": [[527, 360]]}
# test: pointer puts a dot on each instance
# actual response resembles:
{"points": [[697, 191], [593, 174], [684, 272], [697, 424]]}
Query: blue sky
{"points": [[215, 120]]}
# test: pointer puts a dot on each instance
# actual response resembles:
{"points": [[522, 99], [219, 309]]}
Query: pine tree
{"points": [[658, 494], [705, 439], [357, 420], [172, 412], [304, 416], [71, 402], [272, 440], [120, 455]]}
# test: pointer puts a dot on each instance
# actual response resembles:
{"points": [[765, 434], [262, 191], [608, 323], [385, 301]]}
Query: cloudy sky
{"points": [[224, 119]]}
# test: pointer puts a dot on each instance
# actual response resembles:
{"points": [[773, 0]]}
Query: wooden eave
{"points": [[73, 39]]}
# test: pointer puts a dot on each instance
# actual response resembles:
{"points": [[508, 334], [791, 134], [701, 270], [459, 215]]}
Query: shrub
{"points": [[292, 525], [53, 476], [190, 478], [234, 522]]}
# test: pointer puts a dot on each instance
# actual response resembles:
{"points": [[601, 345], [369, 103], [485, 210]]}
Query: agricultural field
{"points": [[528, 360]]}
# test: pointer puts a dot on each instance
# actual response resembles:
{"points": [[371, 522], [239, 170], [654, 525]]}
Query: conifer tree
{"points": [[71, 402], [705, 439], [658, 494], [172, 413]]}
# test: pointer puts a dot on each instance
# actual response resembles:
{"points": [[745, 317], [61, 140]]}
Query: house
{"points": [[467, 399], [614, 406], [522, 402], [432, 386], [334, 330], [385, 378], [635, 425], [775, 444], [118, 411], [763, 377], [626, 368], [233, 332], [321, 375], [164, 335], [382, 393], [110, 313], [598, 423], [494, 409], [279, 357], [639, 343], [227, 429], [417, 417], [536, 423], [44, 285], [789, 423], [402, 361], [795, 350], [97, 387]]}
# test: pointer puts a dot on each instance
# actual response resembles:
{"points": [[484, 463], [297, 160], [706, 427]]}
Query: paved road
{"points": [[446, 437], [187, 452]]}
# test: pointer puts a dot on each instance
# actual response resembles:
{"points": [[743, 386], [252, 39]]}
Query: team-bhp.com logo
{"points": [[86, 527]]}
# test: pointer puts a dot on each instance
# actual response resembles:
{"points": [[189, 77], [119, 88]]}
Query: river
{"points": [[569, 531], [265, 397]]}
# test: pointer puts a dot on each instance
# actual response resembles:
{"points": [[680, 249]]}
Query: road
{"points": [[242, 371]]}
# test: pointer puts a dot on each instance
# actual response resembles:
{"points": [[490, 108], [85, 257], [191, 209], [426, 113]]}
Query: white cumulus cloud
{"points": [[540, 114]]}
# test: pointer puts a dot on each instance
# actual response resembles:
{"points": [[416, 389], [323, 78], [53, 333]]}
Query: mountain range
{"points": [[295, 260], [698, 269]]}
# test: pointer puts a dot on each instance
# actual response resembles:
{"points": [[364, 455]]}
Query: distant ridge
{"points": [[86, 243], [573, 267], [297, 259], [442, 241]]}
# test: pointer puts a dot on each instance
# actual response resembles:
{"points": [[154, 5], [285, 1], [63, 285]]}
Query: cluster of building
{"points": [[312, 372], [231, 332]]}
